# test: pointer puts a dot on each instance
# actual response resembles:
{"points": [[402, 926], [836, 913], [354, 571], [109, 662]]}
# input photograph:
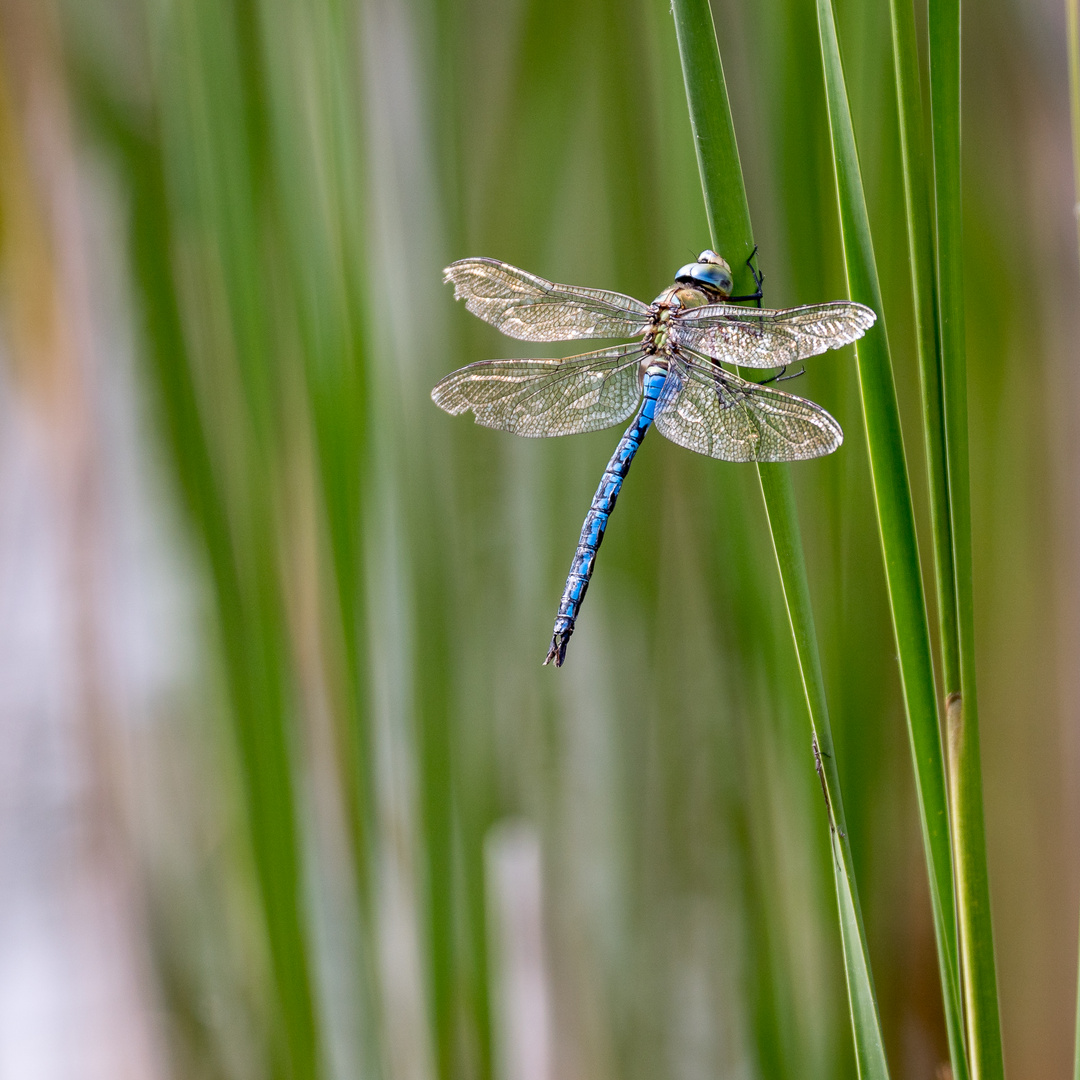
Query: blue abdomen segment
{"points": [[592, 532]]}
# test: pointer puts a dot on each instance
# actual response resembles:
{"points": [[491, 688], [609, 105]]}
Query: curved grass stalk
{"points": [[729, 223]]}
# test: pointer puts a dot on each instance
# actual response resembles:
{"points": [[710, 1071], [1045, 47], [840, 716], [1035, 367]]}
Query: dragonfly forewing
{"points": [[760, 338], [531, 308], [547, 397], [713, 412]]}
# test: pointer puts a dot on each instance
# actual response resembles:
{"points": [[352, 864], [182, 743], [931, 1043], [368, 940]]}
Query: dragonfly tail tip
{"points": [[557, 651]]}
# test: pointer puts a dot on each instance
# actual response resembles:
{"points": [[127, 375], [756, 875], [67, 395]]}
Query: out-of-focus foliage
{"points": [[355, 828]]}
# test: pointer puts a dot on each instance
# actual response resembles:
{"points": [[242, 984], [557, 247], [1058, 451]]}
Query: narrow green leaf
{"points": [[729, 221], [969, 833], [779, 494], [913, 149], [924, 289], [1072, 13], [896, 519], [714, 136]]}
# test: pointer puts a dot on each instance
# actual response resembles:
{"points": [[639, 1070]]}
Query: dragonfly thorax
{"points": [[669, 304], [679, 296]]}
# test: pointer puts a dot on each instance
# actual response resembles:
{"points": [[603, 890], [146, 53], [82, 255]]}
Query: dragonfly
{"points": [[670, 376]]}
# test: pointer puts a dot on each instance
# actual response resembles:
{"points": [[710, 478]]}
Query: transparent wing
{"points": [[709, 410], [759, 338], [529, 308], [546, 397]]}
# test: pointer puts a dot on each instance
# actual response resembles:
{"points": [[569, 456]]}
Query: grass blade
{"points": [[714, 137], [729, 221], [1072, 16], [924, 290], [969, 834], [892, 496], [924, 287], [779, 495]]}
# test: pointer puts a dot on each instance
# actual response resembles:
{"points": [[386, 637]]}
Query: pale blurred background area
{"points": [[285, 791]]}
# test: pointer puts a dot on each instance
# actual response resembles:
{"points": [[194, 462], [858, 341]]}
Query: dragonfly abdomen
{"points": [[592, 531]]}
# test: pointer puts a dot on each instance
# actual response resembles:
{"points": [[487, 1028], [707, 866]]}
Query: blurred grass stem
{"points": [[1072, 30]]}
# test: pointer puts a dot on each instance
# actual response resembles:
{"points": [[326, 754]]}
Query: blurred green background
{"points": [[284, 789]]}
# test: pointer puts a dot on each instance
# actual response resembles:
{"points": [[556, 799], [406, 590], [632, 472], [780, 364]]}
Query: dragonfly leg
{"points": [[787, 378], [758, 277], [782, 376]]}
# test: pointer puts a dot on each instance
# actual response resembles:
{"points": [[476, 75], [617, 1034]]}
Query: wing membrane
{"points": [[546, 397], [760, 338], [530, 308], [709, 410]]}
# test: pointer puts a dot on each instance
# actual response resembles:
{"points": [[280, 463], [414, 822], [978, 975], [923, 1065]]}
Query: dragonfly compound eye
{"points": [[711, 275]]}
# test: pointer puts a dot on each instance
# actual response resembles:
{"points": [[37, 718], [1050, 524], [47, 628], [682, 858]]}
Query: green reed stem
{"points": [[924, 289], [1072, 18], [917, 197], [896, 518], [979, 980], [729, 223]]}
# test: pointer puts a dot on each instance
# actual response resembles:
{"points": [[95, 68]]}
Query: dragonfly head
{"points": [[710, 273]]}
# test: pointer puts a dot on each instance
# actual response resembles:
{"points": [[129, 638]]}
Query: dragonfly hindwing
{"points": [[547, 397], [713, 412]]}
